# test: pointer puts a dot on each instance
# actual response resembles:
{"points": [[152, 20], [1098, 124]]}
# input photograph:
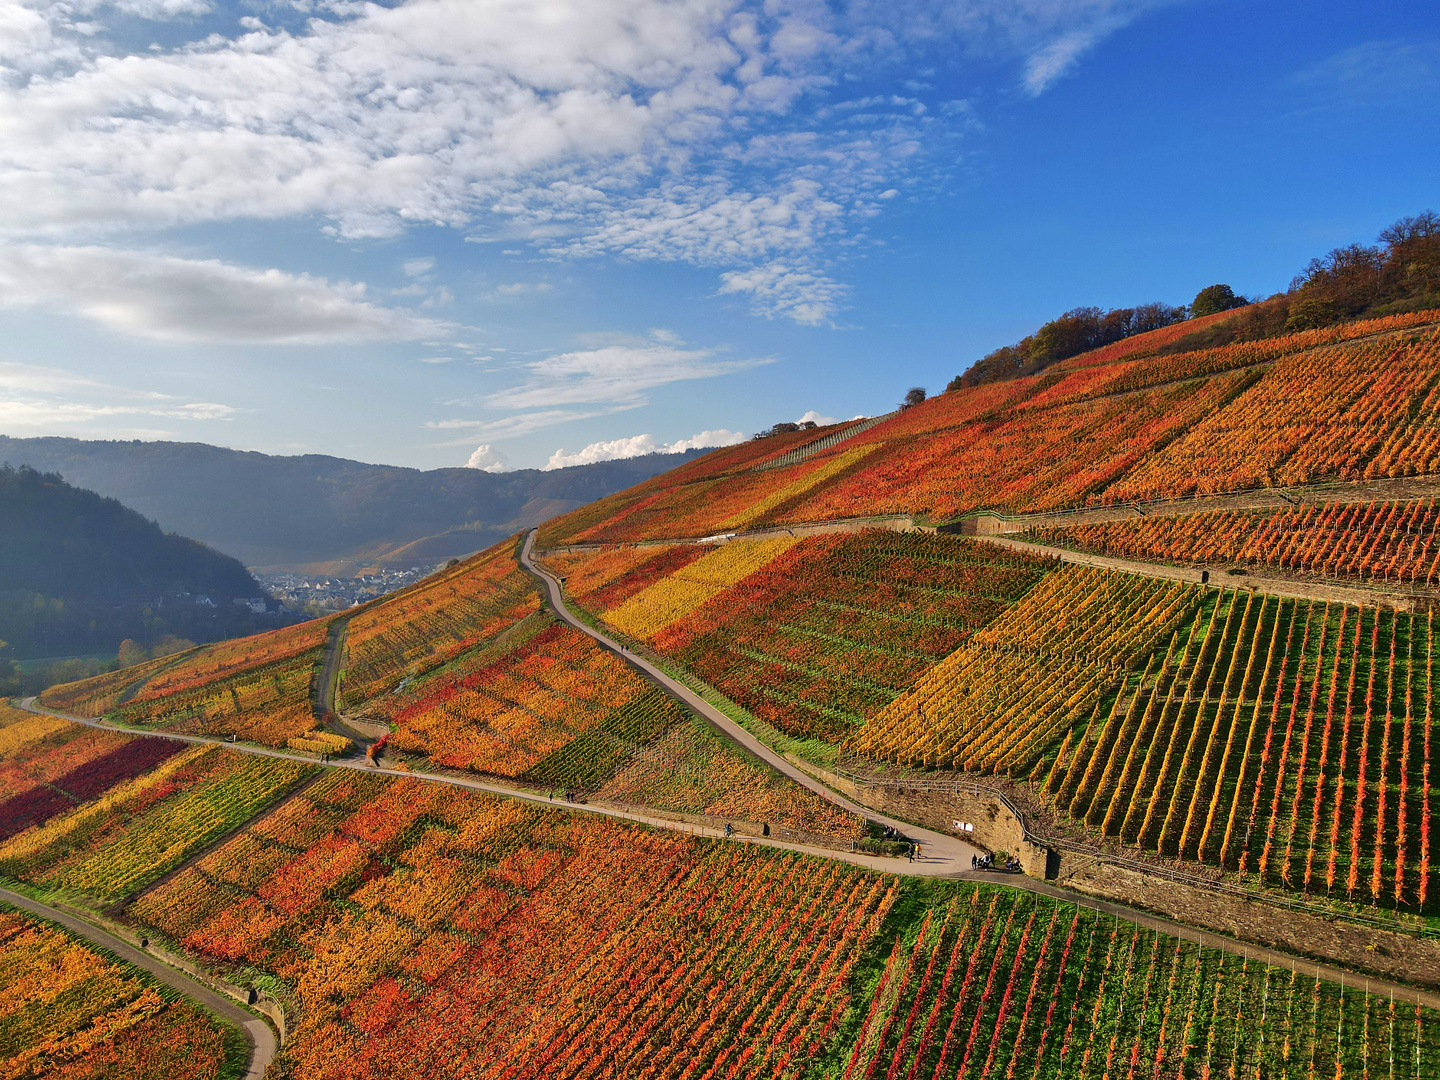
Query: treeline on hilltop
{"points": [[1077, 331], [80, 574], [1400, 273]]}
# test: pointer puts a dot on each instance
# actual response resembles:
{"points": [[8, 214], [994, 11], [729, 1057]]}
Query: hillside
{"points": [[1151, 628], [1124, 423], [323, 514], [80, 573]]}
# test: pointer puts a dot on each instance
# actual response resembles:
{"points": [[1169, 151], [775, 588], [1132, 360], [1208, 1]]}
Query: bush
{"points": [[883, 847], [1313, 312], [1214, 299]]}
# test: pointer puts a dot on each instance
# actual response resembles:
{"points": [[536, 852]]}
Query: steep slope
{"points": [[409, 928], [1347, 402], [1255, 763]]}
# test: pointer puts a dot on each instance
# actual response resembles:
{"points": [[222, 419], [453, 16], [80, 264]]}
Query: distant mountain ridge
{"points": [[320, 513]]}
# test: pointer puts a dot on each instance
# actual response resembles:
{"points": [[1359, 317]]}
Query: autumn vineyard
{"points": [[1079, 725]]}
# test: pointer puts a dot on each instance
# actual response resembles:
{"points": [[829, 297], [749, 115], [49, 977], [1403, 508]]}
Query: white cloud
{"points": [[522, 288], [417, 267], [614, 449], [50, 399], [163, 9], [813, 417], [615, 374], [1057, 59], [702, 439], [487, 459], [1374, 73], [638, 446], [780, 289], [695, 130], [511, 427], [171, 299]]}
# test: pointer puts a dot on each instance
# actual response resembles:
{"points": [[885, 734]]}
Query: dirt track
{"points": [[1272, 584]]}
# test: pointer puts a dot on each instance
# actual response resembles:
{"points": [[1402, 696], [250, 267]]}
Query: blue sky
{"points": [[558, 230]]}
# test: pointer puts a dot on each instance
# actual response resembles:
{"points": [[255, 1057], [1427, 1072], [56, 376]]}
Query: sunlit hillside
{"points": [[819, 756]]}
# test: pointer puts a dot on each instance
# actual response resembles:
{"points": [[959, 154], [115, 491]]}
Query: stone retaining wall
{"points": [[995, 827]]}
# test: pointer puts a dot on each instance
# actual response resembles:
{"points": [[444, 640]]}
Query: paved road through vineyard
{"points": [[261, 1038], [946, 854]]}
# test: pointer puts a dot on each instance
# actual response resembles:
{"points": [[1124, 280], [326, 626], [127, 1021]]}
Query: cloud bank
{"points": [[165, 298], [639, 445]]}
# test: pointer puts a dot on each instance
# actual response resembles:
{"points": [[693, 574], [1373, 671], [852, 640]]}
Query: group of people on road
{"points": [[987, 862]]}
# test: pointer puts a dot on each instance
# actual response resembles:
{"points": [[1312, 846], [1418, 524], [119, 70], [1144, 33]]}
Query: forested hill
{"points": [[273, 511], [80, 573], [61, 540]]}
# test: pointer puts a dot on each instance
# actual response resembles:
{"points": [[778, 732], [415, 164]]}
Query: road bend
{"points": [[944, 853], [940, 855], [262, 1040]]}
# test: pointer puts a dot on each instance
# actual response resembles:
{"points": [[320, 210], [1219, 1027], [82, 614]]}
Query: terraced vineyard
{"points": [[72, 1013], [424, 928], [256, 689], [1356, 410], [97, 696], [1217, 751], [1033, 459], [267, 704], [113, 845], [555, 709], [692, 770], [1385, 541], [1353, 401], [1003, 700], [1287, 739], [49, 766], [677, 594], [432, 622], [991, 984], [393, 913], [828, 632]]}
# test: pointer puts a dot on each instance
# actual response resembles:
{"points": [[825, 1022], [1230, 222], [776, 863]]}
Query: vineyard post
{"points": [[1365, 1033], [1392, 1033], [1340, 1026]]}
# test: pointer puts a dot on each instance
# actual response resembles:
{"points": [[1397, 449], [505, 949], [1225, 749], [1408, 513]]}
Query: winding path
{"points": [[262, 1040], [327, 682], [941, 854], [927, 864]]}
